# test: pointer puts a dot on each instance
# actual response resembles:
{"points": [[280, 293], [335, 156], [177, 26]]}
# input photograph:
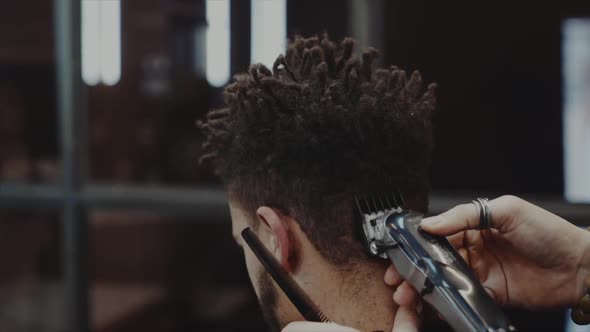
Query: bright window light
{"points": [[101, 41], [269, 30], [218, 42], [91, 42], [110, 41], [576, 113]]}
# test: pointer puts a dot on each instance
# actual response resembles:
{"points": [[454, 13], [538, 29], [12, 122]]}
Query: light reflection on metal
{"points": [[468, 289]]}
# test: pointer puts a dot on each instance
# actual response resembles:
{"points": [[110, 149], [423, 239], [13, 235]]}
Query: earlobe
{"points": [[281, 240]]}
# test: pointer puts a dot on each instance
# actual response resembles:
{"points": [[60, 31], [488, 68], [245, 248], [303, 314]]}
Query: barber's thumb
{"points": [[461, 217], [443, 225], [435, 225]]}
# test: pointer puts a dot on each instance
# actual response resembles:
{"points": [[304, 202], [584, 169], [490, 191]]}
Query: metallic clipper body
{"points": [[431, 265]]}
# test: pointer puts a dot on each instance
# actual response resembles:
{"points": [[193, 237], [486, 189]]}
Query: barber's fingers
{"points": [[457, 240], [406, 319], [405, 295], [407, 315], [392, 277], [317, 327], [461, 217]]}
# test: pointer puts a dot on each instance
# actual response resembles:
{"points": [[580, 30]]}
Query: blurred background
{"points": [[107, 223]]}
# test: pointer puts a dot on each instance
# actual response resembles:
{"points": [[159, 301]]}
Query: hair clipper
{"points": [[430, 264]]}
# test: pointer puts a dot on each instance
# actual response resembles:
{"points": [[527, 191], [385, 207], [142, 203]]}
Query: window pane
{"points": [[28, 136], [142, 128], [576, 115], [166, 273], [31, 288]]}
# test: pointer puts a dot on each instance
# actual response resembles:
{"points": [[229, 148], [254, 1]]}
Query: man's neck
{"points": [[355, 297]]}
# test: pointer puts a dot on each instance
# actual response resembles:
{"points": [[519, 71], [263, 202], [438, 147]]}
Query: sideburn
{"points": [[268, 302]]}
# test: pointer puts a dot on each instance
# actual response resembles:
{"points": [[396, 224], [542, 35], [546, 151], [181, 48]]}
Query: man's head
{"points": [[294, 145]]}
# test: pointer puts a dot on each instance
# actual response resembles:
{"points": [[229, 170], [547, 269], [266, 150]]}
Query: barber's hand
{"points": [[406, 320], [530, 257], [316, 327]]}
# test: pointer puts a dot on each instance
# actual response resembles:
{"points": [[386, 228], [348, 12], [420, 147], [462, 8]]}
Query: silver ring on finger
{"points": [[485, 213]]}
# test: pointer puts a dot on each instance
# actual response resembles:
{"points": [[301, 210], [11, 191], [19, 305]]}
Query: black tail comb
{"points": [[300, 300]]}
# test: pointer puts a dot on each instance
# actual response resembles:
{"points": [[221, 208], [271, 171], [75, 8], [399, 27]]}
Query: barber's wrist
{"points": [[584, 263], [583, 272], [584, 268], [581, 307]]}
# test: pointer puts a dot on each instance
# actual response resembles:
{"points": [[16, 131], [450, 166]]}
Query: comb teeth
{"points": [[323, 317], [400, 199], [381, 204], [374, 203], [362, 203]]}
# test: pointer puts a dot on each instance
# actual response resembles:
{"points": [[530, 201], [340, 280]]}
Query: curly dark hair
{"points": [[322, 126]]}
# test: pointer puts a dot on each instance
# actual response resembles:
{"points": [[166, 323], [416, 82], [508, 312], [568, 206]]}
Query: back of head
{"points": [[319, 127]]}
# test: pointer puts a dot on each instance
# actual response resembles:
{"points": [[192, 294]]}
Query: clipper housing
{"points": [[430, 264]]}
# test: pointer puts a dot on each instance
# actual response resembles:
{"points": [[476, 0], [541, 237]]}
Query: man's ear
{"points": [[282, 242]]}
